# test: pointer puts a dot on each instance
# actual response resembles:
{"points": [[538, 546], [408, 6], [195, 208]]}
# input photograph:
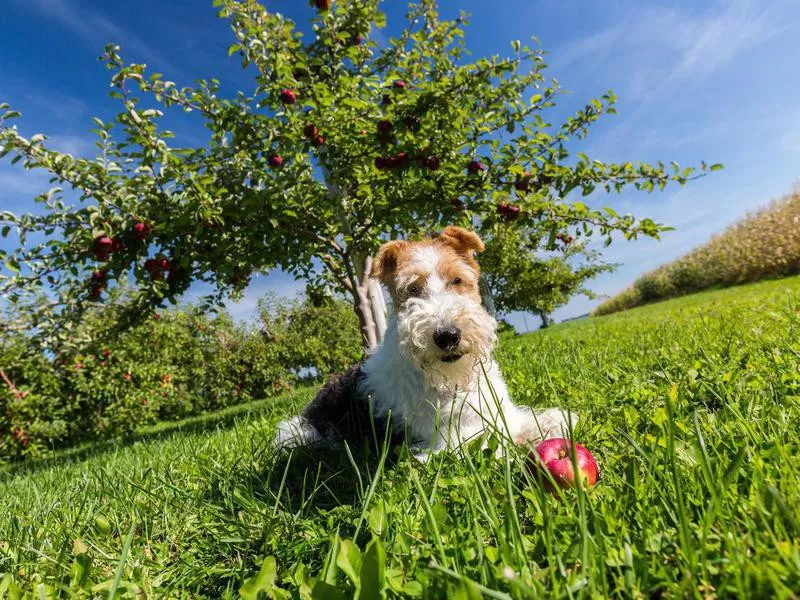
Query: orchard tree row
{"points": [[341, 144]]}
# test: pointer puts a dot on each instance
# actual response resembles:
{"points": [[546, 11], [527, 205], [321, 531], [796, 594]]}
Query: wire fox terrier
{"points": [[432, 382]]}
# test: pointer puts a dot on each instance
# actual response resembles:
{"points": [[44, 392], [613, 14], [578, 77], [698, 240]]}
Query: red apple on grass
{"points": [[554, 456]]}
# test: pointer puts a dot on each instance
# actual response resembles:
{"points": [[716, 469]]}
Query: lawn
{"points": [[691, 405]]}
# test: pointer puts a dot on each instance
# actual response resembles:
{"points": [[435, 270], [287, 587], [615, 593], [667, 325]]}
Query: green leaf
{"points": [[373, 580], [327, 591], [348, 560], [716, 167], [467, 590], [262, 582], [377, 517]]}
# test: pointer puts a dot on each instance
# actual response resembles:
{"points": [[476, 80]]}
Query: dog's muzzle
{"points": [[448, 339]]}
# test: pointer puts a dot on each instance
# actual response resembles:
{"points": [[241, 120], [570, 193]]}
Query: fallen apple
{"points": [[554, 456]]}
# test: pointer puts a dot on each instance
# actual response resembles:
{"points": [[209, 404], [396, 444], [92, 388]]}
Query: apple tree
{"points": [[341, 143], [527, 271]]}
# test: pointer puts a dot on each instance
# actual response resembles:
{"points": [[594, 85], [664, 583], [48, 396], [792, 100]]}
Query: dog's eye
{"points": [[456, 281], [413, 290]]}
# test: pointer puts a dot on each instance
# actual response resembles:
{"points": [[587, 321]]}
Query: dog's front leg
{"points": [[533, 426]]}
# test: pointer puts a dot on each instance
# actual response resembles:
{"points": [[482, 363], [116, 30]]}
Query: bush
{"points": [[762, 245], [175, 364]]}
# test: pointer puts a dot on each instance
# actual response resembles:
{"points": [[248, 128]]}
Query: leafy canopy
{"points": [[340, 144]]}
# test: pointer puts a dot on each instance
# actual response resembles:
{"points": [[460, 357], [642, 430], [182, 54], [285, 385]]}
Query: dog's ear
{"points": [[385, 263], [462, 241]]}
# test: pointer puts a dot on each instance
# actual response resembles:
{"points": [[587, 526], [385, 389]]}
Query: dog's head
{"points": [[441, 322]]}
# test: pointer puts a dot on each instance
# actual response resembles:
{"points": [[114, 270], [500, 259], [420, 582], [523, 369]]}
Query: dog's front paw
{"points": [[422, 456], [545, 424]]}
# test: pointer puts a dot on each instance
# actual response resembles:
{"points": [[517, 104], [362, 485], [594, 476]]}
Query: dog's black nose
{"points": [[447, 338]]}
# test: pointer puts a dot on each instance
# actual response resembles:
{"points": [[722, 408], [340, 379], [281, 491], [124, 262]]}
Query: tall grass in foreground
{"points": [[763, 245], [692, 407]]}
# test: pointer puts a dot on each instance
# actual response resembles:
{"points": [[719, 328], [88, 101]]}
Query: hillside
{"points": [[762, 245], [691, 406]]}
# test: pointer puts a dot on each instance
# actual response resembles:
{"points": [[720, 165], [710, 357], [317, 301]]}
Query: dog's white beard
{"points": [[418, 320]]}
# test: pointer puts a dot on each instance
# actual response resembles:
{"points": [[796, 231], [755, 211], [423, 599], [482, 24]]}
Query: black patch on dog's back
{"points": [[341, 411]]}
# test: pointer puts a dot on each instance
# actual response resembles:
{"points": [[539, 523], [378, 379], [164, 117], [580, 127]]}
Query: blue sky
{"points": [[713, 80]]}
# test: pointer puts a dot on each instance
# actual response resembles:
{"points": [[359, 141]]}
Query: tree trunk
{"points": [[369, 306], [378, 308], [546, 321], [363, 308]]}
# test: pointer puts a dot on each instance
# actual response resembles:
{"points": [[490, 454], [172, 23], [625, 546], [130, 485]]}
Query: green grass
{"points": [[691, 405]]}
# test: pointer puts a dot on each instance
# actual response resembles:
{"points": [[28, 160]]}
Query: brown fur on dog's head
{"points": [[402, 265]]}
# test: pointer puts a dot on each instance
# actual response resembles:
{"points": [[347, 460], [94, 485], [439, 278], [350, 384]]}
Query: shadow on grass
{"points": [[222, 419], [325, 478]]}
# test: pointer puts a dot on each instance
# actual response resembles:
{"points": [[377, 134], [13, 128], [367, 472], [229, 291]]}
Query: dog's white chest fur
{"points": [[436, 415]]}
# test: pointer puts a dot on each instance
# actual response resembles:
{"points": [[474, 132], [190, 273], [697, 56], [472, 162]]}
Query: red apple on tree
{"points": [[522, 184], [103, 246], [457, 204], [555, 457], [140, 231], [433, 163], [323, 4], [288, 96], [509, 212], [474, 167], [275, 161], [310, 131], [384, 126], [97, 291], [318, 141], [400, 84], [400, 160]]}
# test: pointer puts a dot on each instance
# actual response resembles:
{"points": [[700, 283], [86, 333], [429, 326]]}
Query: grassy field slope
{"points": [[762, 245], [691, 405]]}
